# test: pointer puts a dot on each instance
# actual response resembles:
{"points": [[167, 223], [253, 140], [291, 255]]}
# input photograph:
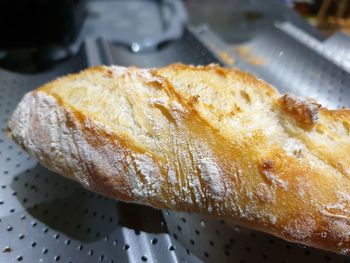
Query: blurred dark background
{"points": [[37, 35]]}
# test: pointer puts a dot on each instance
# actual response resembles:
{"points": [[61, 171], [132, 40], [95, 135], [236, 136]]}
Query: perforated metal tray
{"points": [[46, 218]]}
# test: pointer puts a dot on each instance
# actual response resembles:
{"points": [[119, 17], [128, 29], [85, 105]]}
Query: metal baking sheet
{"points": [[47, 218], [335, 48]]}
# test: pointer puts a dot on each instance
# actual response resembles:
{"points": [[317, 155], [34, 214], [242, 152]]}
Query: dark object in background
{"points": [[39, 22], [140, 25], [36, 34]]}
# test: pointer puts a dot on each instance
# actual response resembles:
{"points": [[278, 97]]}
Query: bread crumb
{"points": [[248, 56], [226, 57]]}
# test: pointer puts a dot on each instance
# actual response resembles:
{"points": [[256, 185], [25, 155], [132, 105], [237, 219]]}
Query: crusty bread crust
{"points": [[207, 140]]}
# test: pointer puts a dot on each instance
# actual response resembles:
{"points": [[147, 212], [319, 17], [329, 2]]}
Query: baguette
{"points": [[207, 140]]}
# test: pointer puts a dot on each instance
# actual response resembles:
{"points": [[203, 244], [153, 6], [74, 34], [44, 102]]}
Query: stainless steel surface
{"points": [[139, 25], [46, 218], [335, 48], [188, 50], [237, 20]]}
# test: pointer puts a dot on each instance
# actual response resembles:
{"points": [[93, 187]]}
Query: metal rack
{"points": [[47, 218]]}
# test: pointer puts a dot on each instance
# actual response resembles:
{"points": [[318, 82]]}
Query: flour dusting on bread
{"points": [[205, 139]]}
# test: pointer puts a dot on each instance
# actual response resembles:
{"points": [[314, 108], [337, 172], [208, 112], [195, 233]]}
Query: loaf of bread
{"points": [[207, 140]]}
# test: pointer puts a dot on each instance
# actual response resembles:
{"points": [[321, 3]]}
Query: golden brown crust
{"points": [[304, 111], [208, 140]]}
